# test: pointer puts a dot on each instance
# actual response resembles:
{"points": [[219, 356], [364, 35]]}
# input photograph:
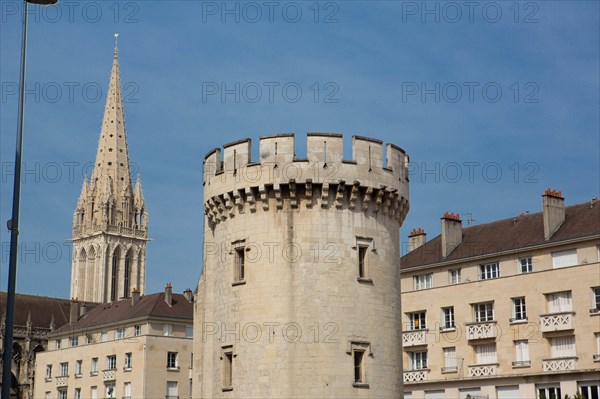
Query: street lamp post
{"points": [[13, 223]]}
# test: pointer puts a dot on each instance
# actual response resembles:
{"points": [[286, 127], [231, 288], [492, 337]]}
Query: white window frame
{"points": [[137, 330], [127, 364], [595, 300], [423, 281], [418, 360], [62, 393], [73, 341], [120, 334], [172, 390], [450, 362], [167, 330], [77, 393], [111, 362], [189, 331], [488, 271], [559, 302], [94, 366], [519, 309], [448, 320], [104, 336], [550, 391], [173, 360], [127, 390], [78, 367], [454, 276], [525, 263], [563, 347], [48, 371], [64, 369], [565, 258], [486, 309], [58, 343], [521, 353], [486, 354], [417, 320]]}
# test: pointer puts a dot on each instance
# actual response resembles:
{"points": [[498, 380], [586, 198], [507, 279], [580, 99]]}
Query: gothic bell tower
{"points": [[110, 222]]}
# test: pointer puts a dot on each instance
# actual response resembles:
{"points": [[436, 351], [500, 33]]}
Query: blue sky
{"points": [[493, 104]]}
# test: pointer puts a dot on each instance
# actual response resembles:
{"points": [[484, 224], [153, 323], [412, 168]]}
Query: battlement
{"points": [[324, 150], [234, 184]]}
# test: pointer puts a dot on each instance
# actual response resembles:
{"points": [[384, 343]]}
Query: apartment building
{"points": [[140, 347], [507, 309]]}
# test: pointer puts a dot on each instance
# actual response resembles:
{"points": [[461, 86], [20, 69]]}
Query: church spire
{"points": [[112, 158]]}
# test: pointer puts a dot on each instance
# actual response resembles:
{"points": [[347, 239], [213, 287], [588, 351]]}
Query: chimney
{"points": [[82, 309], [135, 296], [451, 233], [553, 205], [74, 311], [416, 238], [169, 294], [188, 294]]}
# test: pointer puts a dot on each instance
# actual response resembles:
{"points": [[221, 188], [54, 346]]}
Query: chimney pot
{"points": [[169, 294], [553, 205], [416, 238], [188, 294], [135, 296], [74, 311], [451, 233]]}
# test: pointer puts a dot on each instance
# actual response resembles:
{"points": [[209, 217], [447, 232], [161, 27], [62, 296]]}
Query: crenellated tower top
{"points": [[376, 178]]}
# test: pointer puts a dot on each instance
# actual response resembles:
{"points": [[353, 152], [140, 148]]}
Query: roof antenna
{"points": [[470, 219]]}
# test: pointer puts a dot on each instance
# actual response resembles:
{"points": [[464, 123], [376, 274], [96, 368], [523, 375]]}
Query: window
{"points": [[73, 341], [172, 390], [189, 331], [48, 371], [590, 389], [58, 343], [111, 362], [127, 390], [562, 347], [240, 263], [78, 368], [525, 265], [559, 302], [48, 395], [137, 330], [448, 317], [597, 356], [418, 360], [110, 390], [483, 312], [358, 356], [167, 330], [94, 392], [227, 367], [454, 276], [120, 332], [104, 336], [362, 259], [486, 354], [172, 360], [564, 258], [519, 312], [128, 361], [423, 281], [450, 360], [94, 366], [417, 321], [77, 393], [521, 353], [549, 392], [595, 300], [62, 394], [489, 270], [64, 369], [89, 338]]}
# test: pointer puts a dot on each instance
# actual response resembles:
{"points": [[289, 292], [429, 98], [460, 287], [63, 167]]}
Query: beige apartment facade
{"points": [[508, 309], [135, 348]]}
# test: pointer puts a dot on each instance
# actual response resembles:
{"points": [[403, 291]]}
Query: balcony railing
{"points": [[108, 375], [62, 381], [481, 330], [483, 370], [416, 375], [414, 338], [559, 364], [556, 321]]}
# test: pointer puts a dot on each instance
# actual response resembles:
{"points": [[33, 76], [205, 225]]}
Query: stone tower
{"points": [[110, 222], [299, 296]]}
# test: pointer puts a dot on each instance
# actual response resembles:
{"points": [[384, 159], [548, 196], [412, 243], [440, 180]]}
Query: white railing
{"points": [[108, 375], [559, 364], [556, 321], [482, 370], [481, 330], [62, 381], [413, 338], [415, 376]]}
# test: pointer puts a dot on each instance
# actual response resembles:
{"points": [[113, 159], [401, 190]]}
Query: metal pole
{"points": [[13, 226]]}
